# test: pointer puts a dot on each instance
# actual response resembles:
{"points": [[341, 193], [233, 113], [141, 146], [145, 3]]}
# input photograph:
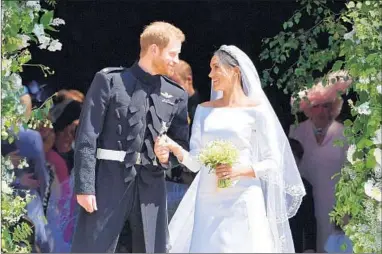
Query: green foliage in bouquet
{"points": [[219, 152]]}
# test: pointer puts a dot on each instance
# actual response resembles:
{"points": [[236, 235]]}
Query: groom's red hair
{"points": [[159, 33]]}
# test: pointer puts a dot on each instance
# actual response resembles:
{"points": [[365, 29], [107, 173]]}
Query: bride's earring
{"points": [[238, 78]]}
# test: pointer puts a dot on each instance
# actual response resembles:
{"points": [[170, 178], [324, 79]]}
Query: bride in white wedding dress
{"points": [[252, 215]]}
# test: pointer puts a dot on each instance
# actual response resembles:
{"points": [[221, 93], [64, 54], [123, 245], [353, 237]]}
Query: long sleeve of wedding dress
{"points": [[190, 158], [266, 155]]}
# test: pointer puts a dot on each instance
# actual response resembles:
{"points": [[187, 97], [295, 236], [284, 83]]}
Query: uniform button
{"points": [[119, 129], [117, 114]]}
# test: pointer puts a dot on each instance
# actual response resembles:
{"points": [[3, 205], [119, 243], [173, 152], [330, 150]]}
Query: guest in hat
{"points": [[322, 104]]}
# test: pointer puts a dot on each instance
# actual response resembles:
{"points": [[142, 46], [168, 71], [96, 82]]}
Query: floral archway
{"points": [[23, 23], [353, 43]]}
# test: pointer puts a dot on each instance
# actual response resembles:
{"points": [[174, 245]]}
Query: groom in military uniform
{"points": [[118, 179]]}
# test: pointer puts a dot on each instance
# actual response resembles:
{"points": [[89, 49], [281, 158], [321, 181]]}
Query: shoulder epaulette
{"points": [[109, 70], [172, 82]]}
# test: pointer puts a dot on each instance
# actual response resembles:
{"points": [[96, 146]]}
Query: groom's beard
{"points": [[162, 68]]}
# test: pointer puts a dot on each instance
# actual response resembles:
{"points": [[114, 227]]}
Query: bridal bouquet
{"points": [[219, 152]]}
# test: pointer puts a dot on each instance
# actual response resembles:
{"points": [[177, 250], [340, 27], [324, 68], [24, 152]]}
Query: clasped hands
{"points": [[164, 145]]}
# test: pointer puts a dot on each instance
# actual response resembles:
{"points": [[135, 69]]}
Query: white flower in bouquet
{"points": [[373, 190], [219, 152]]}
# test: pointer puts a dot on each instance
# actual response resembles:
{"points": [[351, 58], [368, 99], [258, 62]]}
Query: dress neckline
{"points": [[245, 107]]}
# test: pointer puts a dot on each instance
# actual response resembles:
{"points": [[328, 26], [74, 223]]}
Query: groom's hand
{"points": [[88, 202], [161, 150]]}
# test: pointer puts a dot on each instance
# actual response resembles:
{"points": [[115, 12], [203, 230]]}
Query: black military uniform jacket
{"points": [[124, 112]]}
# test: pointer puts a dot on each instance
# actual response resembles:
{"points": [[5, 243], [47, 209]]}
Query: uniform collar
{"points": [[144, 76]]}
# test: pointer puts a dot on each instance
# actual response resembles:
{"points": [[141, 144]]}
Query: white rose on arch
{"points": [[364, 109], [5, 188], [379, 89], [373, 191], [350, 36], [57, 22], [16, 81], [377, 139], [35, 5], [378, 171], [24, 41], [350, 153], [6, 66], [38, 30], [55, 45], [378, 155]]}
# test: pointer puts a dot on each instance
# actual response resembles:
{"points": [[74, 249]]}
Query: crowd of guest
{"points": [[49, 152], [49, 155]]}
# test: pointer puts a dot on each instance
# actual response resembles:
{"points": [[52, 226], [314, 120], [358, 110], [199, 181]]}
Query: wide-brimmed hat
{"points": [[337, 84]]}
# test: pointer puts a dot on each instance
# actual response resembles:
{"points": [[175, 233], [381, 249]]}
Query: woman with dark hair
{"points": [[58, 141], [252, 215], [65, 118]]}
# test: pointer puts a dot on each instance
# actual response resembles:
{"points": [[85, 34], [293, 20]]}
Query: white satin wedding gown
{"points": [[230, 220]]}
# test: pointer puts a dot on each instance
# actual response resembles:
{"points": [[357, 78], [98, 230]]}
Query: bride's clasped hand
{"points": [[164, 145]]}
